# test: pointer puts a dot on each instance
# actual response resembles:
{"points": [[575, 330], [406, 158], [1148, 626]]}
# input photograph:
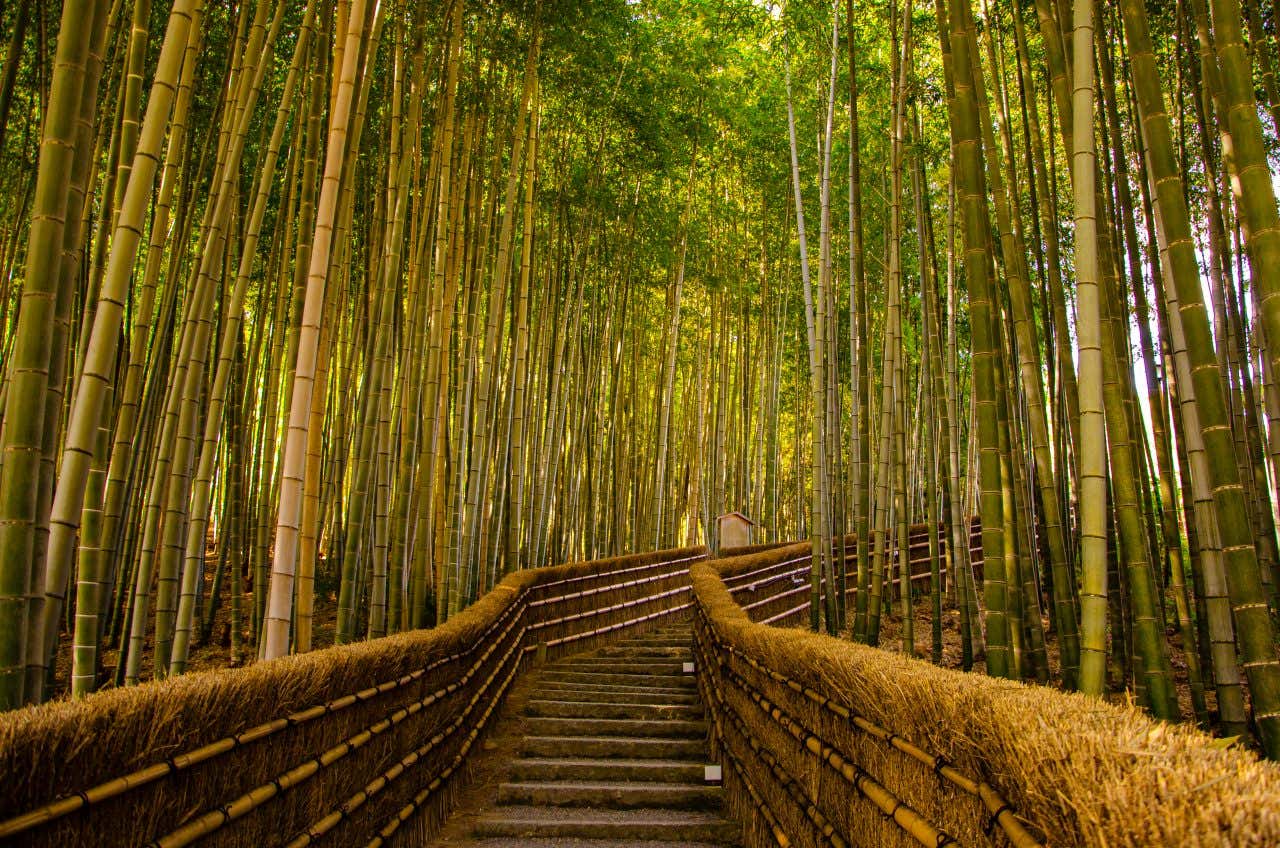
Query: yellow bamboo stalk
{"points": [[293, 469]]}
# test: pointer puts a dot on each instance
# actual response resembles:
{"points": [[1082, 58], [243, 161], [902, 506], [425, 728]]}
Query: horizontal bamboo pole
{"points": [[996, 805], [998, 808], [591, 613], [920, 576], [118, 786], [304, 771], [568, 581], [331, 820], [775, 827], [911, 821], [802, 589], [748, 576], [893, 808], [796, 610], [788, 575], [439, 780], [721, 706], [588, 593], [612, 627]]}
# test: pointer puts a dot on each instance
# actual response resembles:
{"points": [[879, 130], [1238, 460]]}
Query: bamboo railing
{"points": [[778, 591], [823, 742], [826, 742], [353, 745]]}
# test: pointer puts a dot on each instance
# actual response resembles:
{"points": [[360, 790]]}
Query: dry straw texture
{"points": [[59, 749], [1075, 770]]}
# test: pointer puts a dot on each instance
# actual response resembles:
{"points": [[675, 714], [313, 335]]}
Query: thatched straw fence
{"points": [[361, 744], [826, 742]]}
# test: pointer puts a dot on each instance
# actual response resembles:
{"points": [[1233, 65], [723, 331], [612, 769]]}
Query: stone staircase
{"points": [[613, 755]]}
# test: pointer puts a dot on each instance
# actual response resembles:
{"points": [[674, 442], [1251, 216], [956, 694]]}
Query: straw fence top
{"points": [[148, 757], [1077, 770]]}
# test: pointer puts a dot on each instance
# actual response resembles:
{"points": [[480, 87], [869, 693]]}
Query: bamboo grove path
{"points": [[588, 700], [608, 749]]}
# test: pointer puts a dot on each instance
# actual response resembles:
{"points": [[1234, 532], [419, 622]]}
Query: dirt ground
{"points": [[952, 654], [487, 770], [204, 656]]}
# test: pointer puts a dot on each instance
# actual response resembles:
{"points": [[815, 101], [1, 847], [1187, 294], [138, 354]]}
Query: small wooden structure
{"points": [[735, 530]]}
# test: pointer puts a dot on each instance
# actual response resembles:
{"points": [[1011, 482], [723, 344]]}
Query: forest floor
{"points": [[953, 654], [205, 655]]}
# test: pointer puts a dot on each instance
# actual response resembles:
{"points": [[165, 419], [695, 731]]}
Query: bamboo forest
{"points": [[875, 394]]}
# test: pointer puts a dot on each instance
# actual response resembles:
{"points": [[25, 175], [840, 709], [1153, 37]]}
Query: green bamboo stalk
{"points": [[1241, 569], [1092, 455], [280, 603], [23, 430]]}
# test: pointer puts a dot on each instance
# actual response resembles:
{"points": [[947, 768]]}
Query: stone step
{"points": [[684, 685], [648, 728], [682, 652], [586, 709], [621, 665], [685, 827], [622, 747], [651, 770], [558, 842], [656, 660], [672, 641], [666, 681], [611, 794], [630, 695], [613, 756]]}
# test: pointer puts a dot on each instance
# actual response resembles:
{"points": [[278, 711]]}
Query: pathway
{"points": [[609, 751]]}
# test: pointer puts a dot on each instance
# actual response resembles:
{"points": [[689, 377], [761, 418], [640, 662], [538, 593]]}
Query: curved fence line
{"points": [[768, 598], [826, 742], [358, 741]]}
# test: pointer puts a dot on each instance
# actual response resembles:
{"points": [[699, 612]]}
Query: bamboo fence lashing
{"points": [[463, 718], [438, 780], [779, 836], [891, 806], [264, 793], [1002, 813], [764, 603]]}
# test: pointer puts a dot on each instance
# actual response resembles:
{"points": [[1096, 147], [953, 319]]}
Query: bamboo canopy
{"points": [[320, 318]]}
